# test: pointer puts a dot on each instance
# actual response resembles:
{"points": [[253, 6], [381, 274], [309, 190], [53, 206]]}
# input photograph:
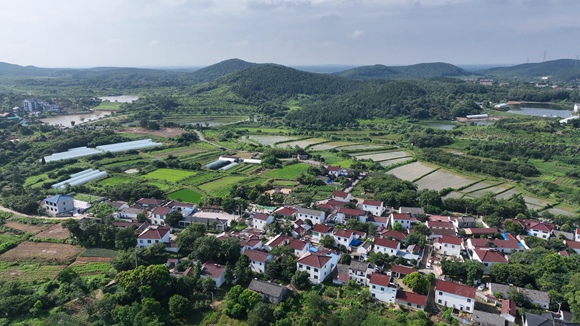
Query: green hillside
{"points": [[220, 69], [563, 70], [417, 71]]}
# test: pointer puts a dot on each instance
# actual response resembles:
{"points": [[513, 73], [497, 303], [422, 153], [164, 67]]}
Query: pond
{"points": [[78, 118], [120, 99], [541, 112], [449, 125]]}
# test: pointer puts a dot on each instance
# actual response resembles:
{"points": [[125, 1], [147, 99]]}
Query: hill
{"points": [[417, 71], [8, 69], [562, 70], [220, 69]]}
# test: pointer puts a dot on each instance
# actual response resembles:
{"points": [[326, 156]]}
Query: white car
{"points": [[481, 287]]}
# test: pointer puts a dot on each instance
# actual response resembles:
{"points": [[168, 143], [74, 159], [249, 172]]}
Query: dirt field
{"points": [[42, 252], [163, 132], [55, 232], [24, 227]]}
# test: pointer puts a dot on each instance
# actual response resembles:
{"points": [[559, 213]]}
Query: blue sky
{"points": [[83, 33]]}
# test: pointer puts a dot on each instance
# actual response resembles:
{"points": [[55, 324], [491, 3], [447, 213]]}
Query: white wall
{"points": [[453, 300], [383, 293], [315, 275]]}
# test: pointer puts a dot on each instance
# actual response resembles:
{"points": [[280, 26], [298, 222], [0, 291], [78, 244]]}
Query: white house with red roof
{"points": [[286, 211], [336, 171], [341, 196], [457, 296], [536, 228], [395, 235], [252, 242], [488, 258], [573, 245], [258, 260], [378, 221], [343, 214], [260, 220], [381, 288], [152, 235], [214, 271], [401, 271], [300, 247], [277, 241], [315, 216], [411, 300], [319, 231], [159, 213], [449, 245], [374, 206], [404, 219], [363, 250], [388, 247], [318, 267], [149, 203], [343, 237]]}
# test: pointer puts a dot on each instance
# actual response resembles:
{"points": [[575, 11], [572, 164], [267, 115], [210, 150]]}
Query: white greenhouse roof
{"points": [[127, 146], [72, 153], [81, 178], [229, 166]]}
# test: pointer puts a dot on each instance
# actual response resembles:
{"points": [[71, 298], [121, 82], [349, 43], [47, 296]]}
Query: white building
{"points": [[258, 260], [260, 220], [458, 296], [404, 219], [214, 271], [388, 247], [374, 206], [343, 214], [449, 245], [381, 289], [488, 258], [159, 213], [360, 272], [341, 196], [152, 235], [318, 267], [58, 205], [315, 216], [300, 247], [319, 231]]}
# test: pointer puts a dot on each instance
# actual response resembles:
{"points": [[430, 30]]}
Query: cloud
{"points": [[355, 35], [154, 43]]}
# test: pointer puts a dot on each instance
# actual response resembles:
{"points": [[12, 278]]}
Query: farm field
{"points": [[330, 145], [42, 252], [443, 179], [33, 229], [289, 172], [302, 143], [494, 190], [411, 171], [54, 232], [98, 253], [114, 180], [507, 194], [186, 195], [170, 175], [394, 161], [213, 186], [177, 151], [269, 140], [92, 268], [562, 210], [477, 186], [381, 156], [28, 272], [453, 194], [360, 147]]}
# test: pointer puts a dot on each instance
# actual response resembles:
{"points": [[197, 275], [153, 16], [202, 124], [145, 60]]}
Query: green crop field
{"points": [[28, 272], [90, 268], [186, 195], [290, 172], [99, 252], [213, 186], [170, 175], [114, 180]]}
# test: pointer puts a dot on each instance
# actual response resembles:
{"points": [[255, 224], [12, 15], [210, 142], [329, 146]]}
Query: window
{"points": [[300, 266], [148, 241], [315, 277], [440, 293], [308, 268], [382, 288], [468, 300], [467, 308], [439, 301], [316, 270], [374, 287], [408, 304]]}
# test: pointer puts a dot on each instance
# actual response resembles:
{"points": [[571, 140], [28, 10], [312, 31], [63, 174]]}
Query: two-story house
{"points": [[318, 267], [258, 260], [360, 272], [58, 205], [343, 214], [488, 258], [404, 219], [381, 288], [149, 203], [341, 196], [260, 220], [388, 247], [152, 235], [457, 296], [449, 245], [214, 271], [315, 216], [159, 213], [300, 247], [374, 206], [319, 231]]}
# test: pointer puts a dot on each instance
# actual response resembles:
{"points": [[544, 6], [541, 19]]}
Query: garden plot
{"points": [[454, 195], [531, 201], [411, 171], [42, 252], [269, 140], [55, 232], [395, 161], [301, 143], [213, 186], [507, 194], [477, 186], [28, 272], [493, 190], [33, 229], [170, 175], [384, 156], [441, 179], [330, 145], [186, 195], [560, 211], [359, 147]]}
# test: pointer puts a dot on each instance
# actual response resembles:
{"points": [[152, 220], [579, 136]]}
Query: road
{"points": [[202, 138], [78, 217]]}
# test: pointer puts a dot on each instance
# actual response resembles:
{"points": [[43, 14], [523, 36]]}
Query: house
{"points": [[508, 310], [411, 300], [464, 222], [251, 242], [340, 275], [573, 245], [271, 292], [375, 207], [449, 245], [286, 212], [395, 235], [149, 203], [438, 233], [508, 245], [152, 235], [319, 231], [159, 213], [378, 221], [277, 241], [300, 247], [477, 232], [344, 213], [388, 247], [336, 171], [58, 205], [129, 213], [343, 237], [488, 258], [360, 272], [401, 271], [535, 297], [341, 196], [214, 271], [577, 235], [211, 223], [258, 260], [118, 205], [363, 250], [381, 288], [180, 206], [536, 228], [440, 228], [404, 219], [482, 318], [318, 267], [413, 211], [315, 216], [260, 220], [457, 296], [546, 319]]}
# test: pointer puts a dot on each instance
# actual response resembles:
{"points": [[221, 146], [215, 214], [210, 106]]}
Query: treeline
{"points": [[509, 170]]}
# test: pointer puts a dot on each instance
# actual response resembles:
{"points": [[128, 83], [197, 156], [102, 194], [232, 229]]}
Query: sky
{"points": [[171, 33]]}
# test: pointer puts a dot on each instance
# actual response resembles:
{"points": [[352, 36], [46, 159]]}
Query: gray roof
{"points": [[483, 318], [411, 210], [204, 220], [532, 295], [466, 219], [567, 235], [267, 288], [58, 198], [545, 320], [309, 211], [359, 266]]}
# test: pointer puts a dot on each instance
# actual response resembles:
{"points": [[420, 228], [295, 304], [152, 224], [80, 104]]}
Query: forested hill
{"points": [[220, 69], [563, 70], [417, 71], [8, 69]]}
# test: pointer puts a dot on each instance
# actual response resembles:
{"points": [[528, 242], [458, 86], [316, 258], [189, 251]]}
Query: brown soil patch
{"points": [[55, 232], [163, 132], [82, 260], [34, 229], [42, 252], [26, 275]]}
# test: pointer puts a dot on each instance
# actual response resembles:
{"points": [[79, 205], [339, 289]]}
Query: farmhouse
{"points": [[258, 260], [214, 271], [389, 247], [149, 203], [374, 206], [341, 196], [260, 220], [343, 214], [488, 258], [449, 245], [381, 288], [318, 267], [404, 219], [458, 296], [271, 292], [58, 205], [411, 300], [319, 231], [360, 272], [315, 216], [152, 235], [159, 213]]}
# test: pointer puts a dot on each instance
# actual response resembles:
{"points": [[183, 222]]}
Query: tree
{"points": [[300, 280], [179, 306], [124, 260], [416, 238], [535, 242], [229, 276], [239, 301], [261, 315], [327, 241], [125, 239], [398, 227], [187, 237], [283, 264], [417, 282], [513, 227], [474, 270], [242, 269], [172, 219]]}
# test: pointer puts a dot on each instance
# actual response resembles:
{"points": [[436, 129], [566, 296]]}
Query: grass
{"points": [[170, 175], [90, 268], [108, 106], [99, 252], [186, 195], [213, 186], [289, 172], [87, 198], [28, 272], [115, 180]]}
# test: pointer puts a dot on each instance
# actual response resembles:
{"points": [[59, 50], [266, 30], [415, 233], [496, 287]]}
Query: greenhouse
{"points": [[127, 146], [217, 164], [229, 166], [81, 178], [72, 153]]}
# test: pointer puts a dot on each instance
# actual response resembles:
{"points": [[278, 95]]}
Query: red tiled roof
{"points": [[542, 227], [256, 255], [261, 216], [564, 253], [442, 232], [394, 234], [150, 201], [286, 211], [325, 206], [455, 288], [572, 244], [250, 243], [380, 279], [339, 194], [314, 260], [439, 218], [511, 243], [401, 217], [321, 228], [351, 211], [343, 277], [332, 168], [378, 219], [386, 243], [440, 224], [343, 233], [372, 202], [490, 256], [411, 297], [277, 241], [451, 240], [479, 243], [159, 210], [508, 307], [404, 270], [212, 270], [360, 233], [297, 244], [299, 222], [481, 231], [155, 232]]}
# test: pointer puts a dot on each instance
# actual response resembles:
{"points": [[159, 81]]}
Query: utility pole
{"points": [[576, 62], [545, 53]]}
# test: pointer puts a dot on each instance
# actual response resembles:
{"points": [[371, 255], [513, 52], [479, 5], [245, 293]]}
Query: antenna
{"points": [[528, 60], [545, 52], [576, 62]]}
